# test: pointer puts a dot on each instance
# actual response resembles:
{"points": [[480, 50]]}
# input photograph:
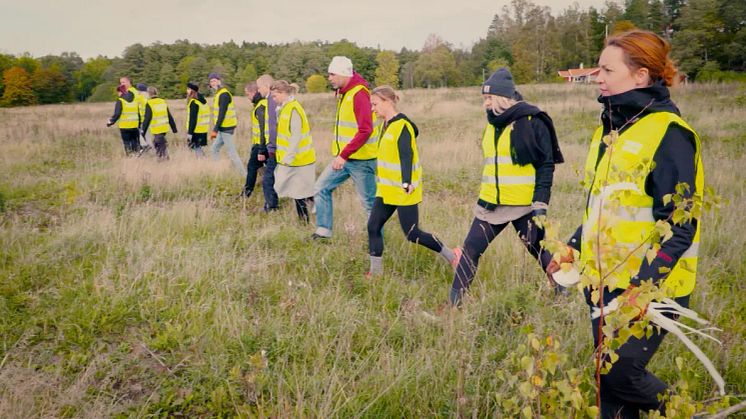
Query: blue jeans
{"points": [[363, 174], [227, 139]]}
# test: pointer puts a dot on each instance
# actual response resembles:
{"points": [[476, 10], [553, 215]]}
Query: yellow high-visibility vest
{"points": [[230, 119], [345, 128], [140, 100], [130, 117], [203, 116], [388, 167], [625, 209], [159, 121], [256, 134], [504, 182], [305, 154]]}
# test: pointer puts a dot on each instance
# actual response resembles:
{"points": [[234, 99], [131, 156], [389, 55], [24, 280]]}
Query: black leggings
{"points": [[131, 140], [408, 218], [301, 207], [481, 235]]}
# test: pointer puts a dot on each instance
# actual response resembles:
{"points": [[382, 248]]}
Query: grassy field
{"points": [[130, 288]]}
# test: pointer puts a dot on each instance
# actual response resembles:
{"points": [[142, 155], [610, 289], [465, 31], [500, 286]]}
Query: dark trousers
{"points": [[131, 140], [268, 180], [479, 238], [629, 387], [409, 220], [161, 146], [301, 207]]}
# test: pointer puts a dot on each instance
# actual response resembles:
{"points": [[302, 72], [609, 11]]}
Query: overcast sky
{"points": [[93, 27]]}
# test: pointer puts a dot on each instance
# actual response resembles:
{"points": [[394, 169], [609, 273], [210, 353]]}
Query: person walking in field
{"points": [[127, 115], [269, 130], [641, 128], [225, 122], [142, 97], [158, 118], [354, 145], [520, 149], [259, 152], [296, 156], [198, 119], [399, 187]]}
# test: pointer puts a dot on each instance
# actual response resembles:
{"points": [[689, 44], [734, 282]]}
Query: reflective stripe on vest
{"points": [[230, 119], [203, 116], [140, 100], [615, 188], [130, 117], [256, 137], [503, 182], [346, 127], [159, 121], [388, 166], [305, 153]]}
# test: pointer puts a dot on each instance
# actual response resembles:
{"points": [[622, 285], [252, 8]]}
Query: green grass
{"points": [[130, 288]]}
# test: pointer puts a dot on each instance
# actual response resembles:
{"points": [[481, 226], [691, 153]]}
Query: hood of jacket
{"points": [[355, 80], [628, 107], [402, 116]]}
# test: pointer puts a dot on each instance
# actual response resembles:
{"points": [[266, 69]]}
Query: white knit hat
{"points": [[341, 65]]}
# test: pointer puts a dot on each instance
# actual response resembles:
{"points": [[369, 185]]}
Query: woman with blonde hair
{"points": [[399, 181], [520, 150], [295, 174], [641, 129]]}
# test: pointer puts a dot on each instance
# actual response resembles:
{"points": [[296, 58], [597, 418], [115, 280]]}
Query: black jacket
{"points": [[532, 141], [674, 162], [404, 144], [194, 112]]}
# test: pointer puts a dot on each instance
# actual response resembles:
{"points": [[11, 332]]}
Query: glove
{"points": [[538, 212], [213, 135]]}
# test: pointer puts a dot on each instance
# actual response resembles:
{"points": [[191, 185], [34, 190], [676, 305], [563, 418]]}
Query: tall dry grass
{"points": [[130, 287]]}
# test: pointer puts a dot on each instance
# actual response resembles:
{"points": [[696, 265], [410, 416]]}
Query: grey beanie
{"points": [[500, 83], [213, 76]]}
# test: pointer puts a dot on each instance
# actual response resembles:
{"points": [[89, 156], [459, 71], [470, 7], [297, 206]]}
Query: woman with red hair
{"points": [[640, 153]]}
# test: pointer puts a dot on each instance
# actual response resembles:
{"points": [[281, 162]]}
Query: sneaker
{"points": [[457, 252], [319, 237]]}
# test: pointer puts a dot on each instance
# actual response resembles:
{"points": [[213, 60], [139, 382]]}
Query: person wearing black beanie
{"points": [[520, 150]]}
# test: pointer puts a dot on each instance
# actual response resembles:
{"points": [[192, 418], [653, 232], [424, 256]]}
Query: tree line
{"points": [[708, 39]]}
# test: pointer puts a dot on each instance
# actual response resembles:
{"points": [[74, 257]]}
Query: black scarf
{"points": [[524, 148]]}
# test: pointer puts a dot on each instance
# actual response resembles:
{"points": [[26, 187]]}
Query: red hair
{"points": [[645, 49]]}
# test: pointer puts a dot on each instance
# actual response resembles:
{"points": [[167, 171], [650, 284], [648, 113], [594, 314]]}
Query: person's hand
{"points": [[272, 155], [338, 163], [408, 188], [213, 135], [539, 212], [109, 123], [565, 256]]}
